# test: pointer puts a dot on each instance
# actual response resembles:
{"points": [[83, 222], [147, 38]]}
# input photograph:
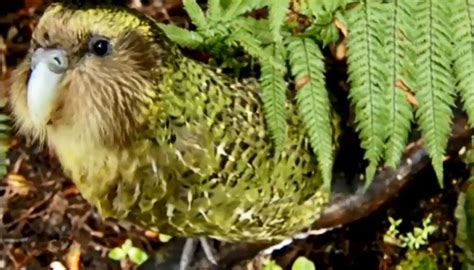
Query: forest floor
{"points": [[44, 220]]}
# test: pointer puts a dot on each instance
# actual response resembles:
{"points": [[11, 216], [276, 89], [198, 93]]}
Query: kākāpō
{"points": [[158, 139]]}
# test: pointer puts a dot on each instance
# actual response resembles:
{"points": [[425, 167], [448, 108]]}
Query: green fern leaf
{"points": [[278, 11], [319, 8], [307, 65], [401, 53], [367, 75], [258, 28], [214, 10], [232, 9], [251, 45], [195, 13], [182, 36], [325, 13], [249, 5], [225, 3], [463, 24], [272, 81], [217, 34], [239, 7], [435, 91]]}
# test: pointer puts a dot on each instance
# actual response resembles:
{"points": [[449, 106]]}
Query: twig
{"points": [[28, 213]]}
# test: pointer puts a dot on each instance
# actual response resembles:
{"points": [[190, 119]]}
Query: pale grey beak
{"points": [[48, 67]]}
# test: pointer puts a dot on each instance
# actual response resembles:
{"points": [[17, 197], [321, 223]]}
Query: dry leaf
{"points": [[408, 93], [302, 82], [340, 50], [73, 257], [18, 184], [152, 234], [341, 26]]}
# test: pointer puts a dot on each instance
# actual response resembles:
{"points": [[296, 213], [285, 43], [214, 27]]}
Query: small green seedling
{"points": [[301, 263], [412, 240], [419, 236], [391, 236], [136, 255], [164, 238], [271, 265]]}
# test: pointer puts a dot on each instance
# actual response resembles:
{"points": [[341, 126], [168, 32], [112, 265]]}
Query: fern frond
{"points": [[400, 37], [307, 65], [324, 29], [272, 81], [195, 13], [325, 13], [231, 9], [328, 34], [368, 77], [239, 7], [258, 28], [249, 5], [277, 17], [181, 36], [214, 10], [318, 7], [435, 91], [463, 25], [250, 44]]}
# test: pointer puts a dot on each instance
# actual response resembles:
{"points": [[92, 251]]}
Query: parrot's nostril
{"points": [[57, 60]]}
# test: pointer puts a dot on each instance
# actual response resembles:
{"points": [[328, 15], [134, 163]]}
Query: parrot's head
{"points": [[89, 74]]}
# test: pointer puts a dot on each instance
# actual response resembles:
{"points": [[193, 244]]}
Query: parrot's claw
{"points": [[208, 250], [190, 248], [188, 253]]}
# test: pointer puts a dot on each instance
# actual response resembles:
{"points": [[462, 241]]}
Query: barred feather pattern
{"points": [[435, 91], [167, 142], [205, 166]]}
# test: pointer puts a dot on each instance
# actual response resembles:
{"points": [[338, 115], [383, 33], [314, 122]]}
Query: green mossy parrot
{"points": [[158, 139]]}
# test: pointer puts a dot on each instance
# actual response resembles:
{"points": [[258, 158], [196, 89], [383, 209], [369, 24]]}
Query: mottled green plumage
{"points": [[199, 161], [207, 166]]}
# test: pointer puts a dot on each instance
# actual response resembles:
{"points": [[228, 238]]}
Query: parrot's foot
{"points": [[190, 248]]}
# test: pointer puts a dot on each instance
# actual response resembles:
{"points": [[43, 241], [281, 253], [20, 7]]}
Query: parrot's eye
{"points": [[100, 46]]}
